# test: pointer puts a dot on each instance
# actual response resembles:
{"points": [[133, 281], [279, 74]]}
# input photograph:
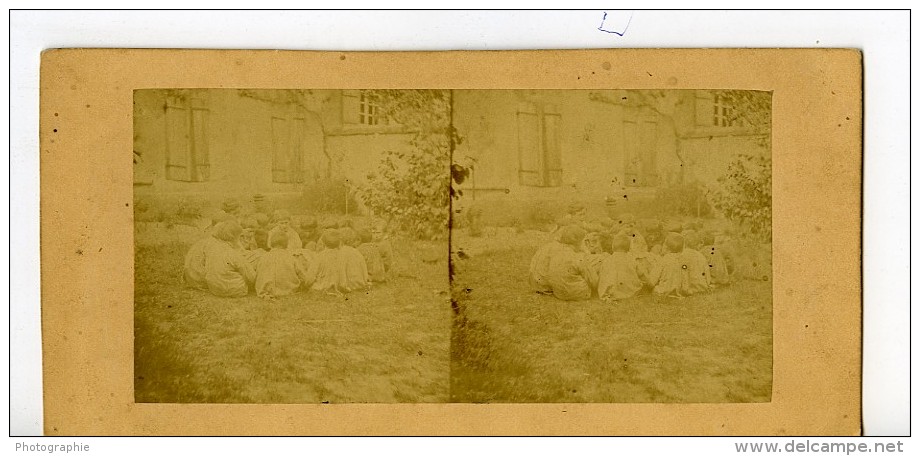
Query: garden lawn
{"points": [[387, 346], [510, 344]]}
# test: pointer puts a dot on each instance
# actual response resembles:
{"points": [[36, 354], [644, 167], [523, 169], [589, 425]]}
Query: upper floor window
{"points": [[724, 113], [360, 107], [370, 112]]}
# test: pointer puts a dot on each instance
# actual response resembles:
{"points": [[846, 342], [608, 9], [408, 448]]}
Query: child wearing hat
{"points": [[227, 273]]}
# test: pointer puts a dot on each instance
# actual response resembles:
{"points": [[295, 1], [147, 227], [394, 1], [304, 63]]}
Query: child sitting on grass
{"points": [[282, 220], [648, 264], [618, 277], [228, 274], [327, 271], [377, 264], [539, 265], [684, 271], [718, 266], [568, 274], [356, 276], [195, 266], [278, 272]]}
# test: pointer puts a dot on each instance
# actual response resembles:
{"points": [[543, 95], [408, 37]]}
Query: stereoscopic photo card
{"points": [[580, 242]]}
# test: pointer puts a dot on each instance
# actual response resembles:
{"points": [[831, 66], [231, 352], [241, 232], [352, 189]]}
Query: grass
{"points": [[399, 344], [387, 346], [510, 344]]}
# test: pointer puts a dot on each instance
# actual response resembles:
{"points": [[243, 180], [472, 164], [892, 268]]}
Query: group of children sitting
{"points": [[268, 256], [611, 260]]}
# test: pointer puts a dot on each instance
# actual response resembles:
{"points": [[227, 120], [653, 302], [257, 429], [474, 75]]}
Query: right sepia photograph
{"points": [[611, 246]]}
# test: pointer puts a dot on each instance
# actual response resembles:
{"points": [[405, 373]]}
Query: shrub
{"points": [[746, 195], [188, 209], [331, 195], [411, 189], [540, 214], [685, 199]]}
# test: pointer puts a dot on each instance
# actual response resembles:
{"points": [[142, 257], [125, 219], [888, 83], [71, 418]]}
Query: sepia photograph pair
{"points": [[333, 246], [582, 242]]}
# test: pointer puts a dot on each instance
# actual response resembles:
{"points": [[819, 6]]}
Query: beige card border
{"points": [[87, 243]]}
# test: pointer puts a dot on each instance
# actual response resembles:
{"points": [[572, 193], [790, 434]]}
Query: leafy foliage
{"points": [[332, 195], [746, 195], [412, 187], [689, 199]]}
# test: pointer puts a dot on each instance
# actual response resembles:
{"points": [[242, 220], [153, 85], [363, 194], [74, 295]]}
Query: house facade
{"points": [[212, 144], [520, 144], [549, 144]]}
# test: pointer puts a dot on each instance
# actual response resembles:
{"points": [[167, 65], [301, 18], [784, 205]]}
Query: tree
{"points": [[412, 188], [745, 192]]}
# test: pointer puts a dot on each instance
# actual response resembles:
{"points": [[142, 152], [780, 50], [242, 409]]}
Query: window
{"points": [[287, 149], [186, 139], [359, 107], [539, 157], [723, 113], [370, 113], [640, 142]]}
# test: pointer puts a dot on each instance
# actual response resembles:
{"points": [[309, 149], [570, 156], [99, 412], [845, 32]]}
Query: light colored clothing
{"points": [[698, 278], [279, 274], [195, 263], [670, 275], [386, 253], [329, 270], [228, 274], [356, 277], [648, 267], [376, 268], [294, 242], [539, 265], [252, 256], [618, 277], [592, 264], [569, 276], [718, 265], [683, 274]]}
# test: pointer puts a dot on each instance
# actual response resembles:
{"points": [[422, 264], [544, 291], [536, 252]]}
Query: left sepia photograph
{"points": [[291, 246]]}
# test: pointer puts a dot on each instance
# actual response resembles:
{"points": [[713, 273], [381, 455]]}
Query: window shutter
{"points": [[552, 152], [648, 140], [351, 106], [297, 151], [704, 108], [178, 159], [201, 170], [280, 147], [530, 160]]}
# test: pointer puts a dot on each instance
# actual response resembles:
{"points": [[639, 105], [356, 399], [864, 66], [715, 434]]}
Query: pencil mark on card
{"points": [[616, 22]]}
